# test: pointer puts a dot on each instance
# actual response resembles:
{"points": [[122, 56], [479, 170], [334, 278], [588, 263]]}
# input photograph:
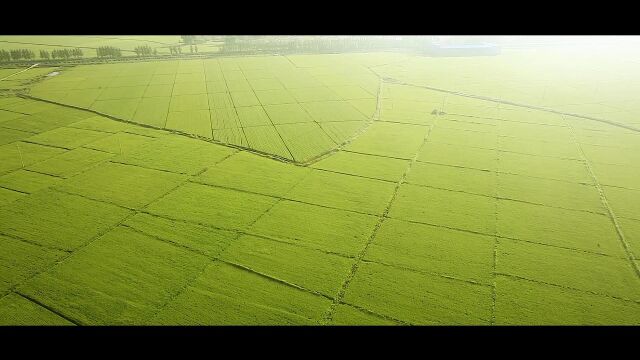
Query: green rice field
{"points": [[380, 188]]}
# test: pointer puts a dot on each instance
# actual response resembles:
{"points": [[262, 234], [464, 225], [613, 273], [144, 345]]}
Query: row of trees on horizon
{"points": [[28, 54]]}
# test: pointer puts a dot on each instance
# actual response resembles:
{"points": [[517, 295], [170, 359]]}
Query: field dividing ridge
{"points": [[610, 213], [268, 117], [171, 131], [131, 212], [507, 102], [239, 233], [363, 129], [41, 304], [496, 237], [345, 285]]}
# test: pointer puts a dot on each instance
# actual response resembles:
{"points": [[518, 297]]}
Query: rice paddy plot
{"points": [[8, 136], [8, 115], [27, 181], [563, 228], [565, 150], [388, 139], [462, 123], [152, 111], [333, 111], [36, 218], [17, 310], [201, 239], [549, 168], [316, 141], [552, 193], [593, 273], [231, 135], [631, 233], [197, 86], [463, 138], [228, 295], [162, 152], [522, 302], [196, 122], [368, 166], [19, 155], [344, 192], [125, 92], [459, 156], [610, 155], [454, 178], [617, 175], [67, 138], [70, 163], [100, 123], [548, 133], [123, 109], [625, 203], [446, 208], [433, 300], [230, 118], [21, 260], [124, 185], [308, 268], [434, 250], [248, 172], [44, 121], [141, 94], [266, 139], [275, 96], [341, 132], [345, 315], [249, 117], [153, 273], [119, 143], [287, 114], [330, 230], [233, 209], [365, 106]]}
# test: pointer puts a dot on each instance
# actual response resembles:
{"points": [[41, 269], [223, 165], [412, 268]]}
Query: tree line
{"points": [[28, 54], [188, 39], [145, 50], [17, 54], [102, 52], [62, 54], [320, 43], [108, 51], [177, 50]]}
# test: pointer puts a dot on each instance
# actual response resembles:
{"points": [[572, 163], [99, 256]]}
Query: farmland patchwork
{"points": [[342, 189]]}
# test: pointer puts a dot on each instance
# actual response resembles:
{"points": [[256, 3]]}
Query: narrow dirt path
{"points": [[21, 71], [507, 102]]}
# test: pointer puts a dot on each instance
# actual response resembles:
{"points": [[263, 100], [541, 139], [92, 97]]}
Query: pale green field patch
{"points": [[330, 230], [37, 218]]}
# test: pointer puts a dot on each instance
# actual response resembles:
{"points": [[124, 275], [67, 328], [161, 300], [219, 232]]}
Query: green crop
{"points": [[330, 230], [433, 249], [311, 269], [17, 310], [368, 188], [37, 218]]}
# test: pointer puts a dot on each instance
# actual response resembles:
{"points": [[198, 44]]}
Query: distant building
{"points": [[461, 46], [464, 50]]}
